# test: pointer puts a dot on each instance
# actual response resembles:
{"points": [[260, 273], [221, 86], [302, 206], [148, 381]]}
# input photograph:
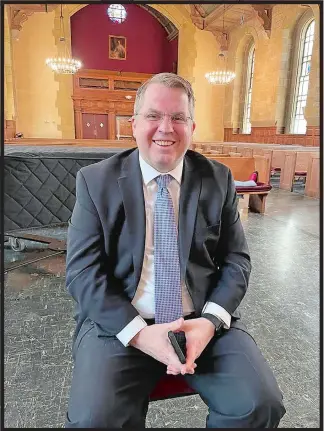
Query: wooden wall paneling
{"points": [[111, 125], [105, 92], [124, 127], [88, 126], [10, 129], [269, 135], [78, 123], [101, 126]]}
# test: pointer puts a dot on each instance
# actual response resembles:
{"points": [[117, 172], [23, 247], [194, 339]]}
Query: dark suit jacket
{"points": [[106, 238]]}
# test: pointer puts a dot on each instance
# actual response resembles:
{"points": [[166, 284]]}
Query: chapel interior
{"points": [[71, 72]]}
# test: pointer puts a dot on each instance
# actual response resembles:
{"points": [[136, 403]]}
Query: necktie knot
{"points": [[163, 180]]}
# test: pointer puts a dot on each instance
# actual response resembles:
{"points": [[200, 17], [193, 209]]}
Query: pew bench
{"points": [[295, 165], [253, 198]]}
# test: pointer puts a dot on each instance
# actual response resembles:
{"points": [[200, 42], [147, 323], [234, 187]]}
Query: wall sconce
{"points": [[128, 97]]}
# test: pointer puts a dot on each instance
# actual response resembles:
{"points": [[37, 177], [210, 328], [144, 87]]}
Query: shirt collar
{"points": [[149, 173]]}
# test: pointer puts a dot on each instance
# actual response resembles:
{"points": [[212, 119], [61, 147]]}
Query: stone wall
{"points": [[273, 77]]}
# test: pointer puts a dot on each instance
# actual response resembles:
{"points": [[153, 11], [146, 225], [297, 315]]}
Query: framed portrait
{"points": [[117, 47]]}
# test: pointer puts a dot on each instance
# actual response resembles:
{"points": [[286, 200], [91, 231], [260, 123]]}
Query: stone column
{"points": [[9, 85], [64, 100]]}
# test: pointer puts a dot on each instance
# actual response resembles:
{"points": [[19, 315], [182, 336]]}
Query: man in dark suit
{"points": [[155, 243]]}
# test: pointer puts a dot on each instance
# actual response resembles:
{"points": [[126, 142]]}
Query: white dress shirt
{"points": [[143, 300]]}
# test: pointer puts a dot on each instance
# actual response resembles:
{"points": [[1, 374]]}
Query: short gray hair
{"points": [[169, 80]]}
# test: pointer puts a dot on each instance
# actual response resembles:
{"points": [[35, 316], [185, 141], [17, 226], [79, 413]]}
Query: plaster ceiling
{"points": [[209, 17], [213, 17], [20, 12]]}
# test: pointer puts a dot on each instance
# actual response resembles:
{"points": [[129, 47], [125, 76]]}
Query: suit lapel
{"points": [[131, 186], [189, 195]]}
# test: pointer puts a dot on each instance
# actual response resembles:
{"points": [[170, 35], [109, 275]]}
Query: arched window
{"points": [[298, 123], [246, 127]]}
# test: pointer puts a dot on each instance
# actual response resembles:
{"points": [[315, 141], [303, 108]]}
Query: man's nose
{"points": [[166, 124]]}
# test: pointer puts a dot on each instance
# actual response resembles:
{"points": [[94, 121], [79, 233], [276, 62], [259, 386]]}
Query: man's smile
{"points": [[164, 143]]}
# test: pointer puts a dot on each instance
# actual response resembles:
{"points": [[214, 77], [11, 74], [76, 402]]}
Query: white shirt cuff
{"points": [[130, 330], [218, 311]]}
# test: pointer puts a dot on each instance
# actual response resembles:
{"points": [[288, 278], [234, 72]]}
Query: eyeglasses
{"points": [[157, 117]]}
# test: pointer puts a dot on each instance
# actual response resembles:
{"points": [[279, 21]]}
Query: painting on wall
{"points": [[117, 47]]}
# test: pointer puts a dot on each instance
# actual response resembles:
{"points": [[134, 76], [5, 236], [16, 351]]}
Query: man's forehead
{"points": [[156, 93]]}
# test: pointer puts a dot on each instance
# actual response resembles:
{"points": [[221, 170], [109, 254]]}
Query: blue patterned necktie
{"points": [[168, 297]]}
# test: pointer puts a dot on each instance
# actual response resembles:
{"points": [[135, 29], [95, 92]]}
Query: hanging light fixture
{"points": [[64, 64], [221, 76]]}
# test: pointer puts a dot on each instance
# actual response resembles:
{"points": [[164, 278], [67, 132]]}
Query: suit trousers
{"points": [[111, 383]]}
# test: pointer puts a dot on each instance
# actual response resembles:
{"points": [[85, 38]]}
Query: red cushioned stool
{"points": [[171, 387]]}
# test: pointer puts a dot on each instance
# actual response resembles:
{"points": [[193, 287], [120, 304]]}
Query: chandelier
{"points": [[64, 64], [221, 76]]}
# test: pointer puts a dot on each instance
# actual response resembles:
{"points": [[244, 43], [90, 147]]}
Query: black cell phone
{"points": [[176, 347]]}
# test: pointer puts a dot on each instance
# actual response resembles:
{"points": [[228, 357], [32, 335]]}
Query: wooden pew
{"points": [[242, 167], [245, 151], [215, 152], [277, 160], [217, 147], [268, 154], [281, 158], [229, 148], [287, 168], [295, 164], [207, 146], [302, 161], [312, 186]]}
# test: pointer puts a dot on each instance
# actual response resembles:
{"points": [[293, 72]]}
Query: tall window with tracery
{"points": [[298, 122], [248, 95]]}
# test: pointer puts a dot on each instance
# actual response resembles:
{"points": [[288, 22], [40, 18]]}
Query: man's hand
{"points": [[153, 340], [198, 334]]}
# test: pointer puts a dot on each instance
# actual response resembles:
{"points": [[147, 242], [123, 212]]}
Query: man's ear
{"points": [[193, 126]]}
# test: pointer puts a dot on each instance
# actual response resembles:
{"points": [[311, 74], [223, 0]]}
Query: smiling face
{"points": [[162, 144]]}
